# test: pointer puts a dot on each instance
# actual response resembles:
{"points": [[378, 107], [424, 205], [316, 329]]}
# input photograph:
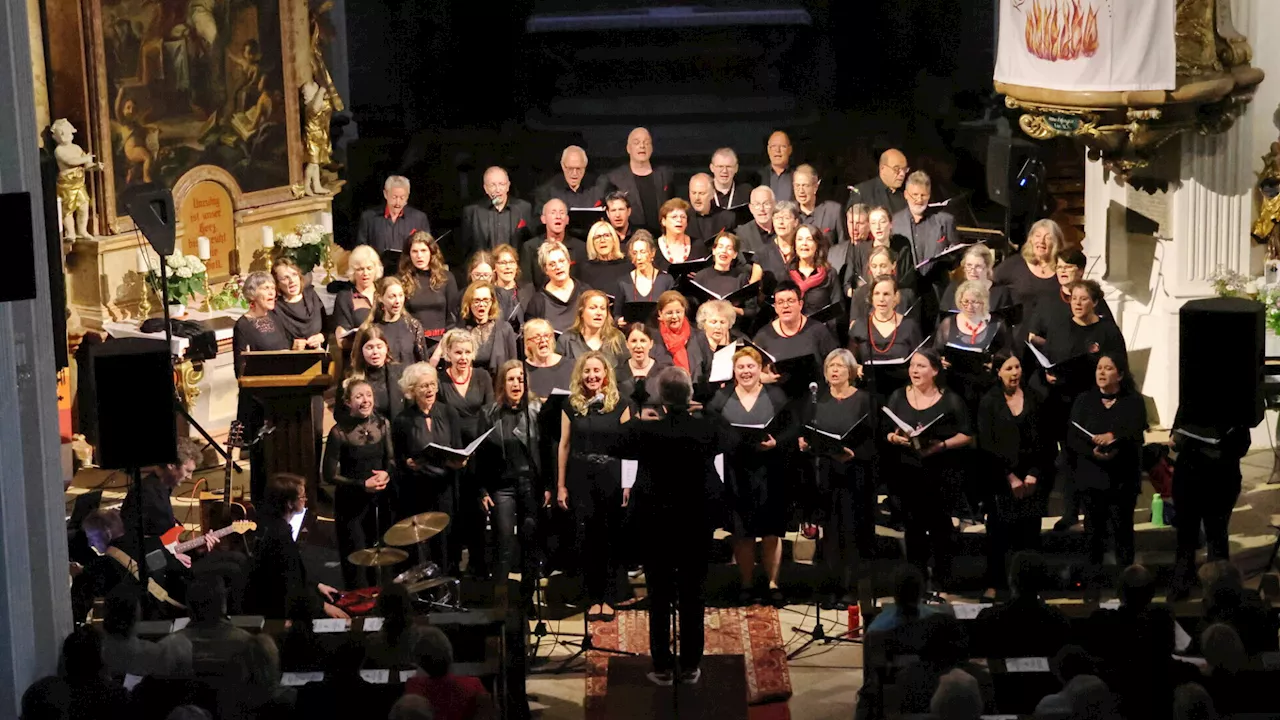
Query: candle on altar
{"points": [[268, 237], [326, 222], [202, 247], [144, 266]]}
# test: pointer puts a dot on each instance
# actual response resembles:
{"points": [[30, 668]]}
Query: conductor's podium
{"points": [[288, 386]]}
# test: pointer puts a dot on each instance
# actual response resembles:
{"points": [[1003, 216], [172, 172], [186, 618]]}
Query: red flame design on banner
{"points": [[1061, 30]]}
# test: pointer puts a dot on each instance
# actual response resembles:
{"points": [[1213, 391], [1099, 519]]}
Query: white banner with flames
{"points": [[1087, 45]]}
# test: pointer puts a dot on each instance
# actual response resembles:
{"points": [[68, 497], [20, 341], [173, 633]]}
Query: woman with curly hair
{"points": [[403, 333], [431, 294], [593, 329], [589, 479]]}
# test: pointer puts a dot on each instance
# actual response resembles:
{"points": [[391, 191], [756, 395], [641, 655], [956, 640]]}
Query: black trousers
{"points": [[926, 504], [1109, 513], [676, 572], [1013, 524], [421, 494], [848, 525], [360, 522], [1202, 495], [515, 522], [597, 509]]}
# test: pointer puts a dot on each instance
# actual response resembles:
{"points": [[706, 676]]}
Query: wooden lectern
{"points": [[288, 384]]}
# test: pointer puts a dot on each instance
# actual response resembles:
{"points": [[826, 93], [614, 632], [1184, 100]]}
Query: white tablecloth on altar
{"points": [[131, 328]]}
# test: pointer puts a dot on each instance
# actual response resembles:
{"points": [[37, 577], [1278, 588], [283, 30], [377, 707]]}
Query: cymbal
{"points": [[425, 585], [414, 529], [377, 557]]}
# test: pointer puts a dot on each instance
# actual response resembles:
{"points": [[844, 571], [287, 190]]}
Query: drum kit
{"points": [[425, 582]]}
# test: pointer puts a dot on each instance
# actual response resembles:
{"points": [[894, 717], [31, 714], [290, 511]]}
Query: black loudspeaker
{"points": [[20, 249], [1007, 159], [1222, 346], [151, 208], [134, 398]]}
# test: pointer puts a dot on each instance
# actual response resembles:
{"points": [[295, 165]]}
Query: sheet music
{"points": [[295, 523], [1029, 665], [969, 611], [372, 624], [629, 470], [298, 679], [897, 420], [1083, 429], [181, 623], [718, 462], [1193, 436], [1040, 357], [1181, 640], [378, 677], [722, 364], [406, 674], [330, 625], [131, 681]]}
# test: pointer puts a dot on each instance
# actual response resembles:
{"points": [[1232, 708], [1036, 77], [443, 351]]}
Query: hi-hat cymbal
{"points": [[377, 557], [413, 530]]}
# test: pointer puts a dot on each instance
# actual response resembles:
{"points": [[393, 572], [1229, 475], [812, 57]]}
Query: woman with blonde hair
{"points": [[482, 315], [546, 369], [431, 294], [589, 479], [401, 330], [593, 330], [977, 265], [557, 301], [606, 264], [353, 304], [1031, 276]]}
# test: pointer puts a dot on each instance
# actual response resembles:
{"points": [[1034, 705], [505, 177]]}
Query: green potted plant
{"points": [[186, 276]]}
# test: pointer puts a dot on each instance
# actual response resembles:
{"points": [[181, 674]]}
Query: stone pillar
{"points": [[36, 613]]}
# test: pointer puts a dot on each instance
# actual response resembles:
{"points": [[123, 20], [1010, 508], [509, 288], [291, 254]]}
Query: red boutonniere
{"points": [[942, 239], [666, 188], [598, 203], [826, 231], [521, 224]]}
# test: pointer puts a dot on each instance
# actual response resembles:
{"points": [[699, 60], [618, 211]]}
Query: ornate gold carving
{"points": [[1197, 49], [1233, 47], [190, 375], [1267, 227]]}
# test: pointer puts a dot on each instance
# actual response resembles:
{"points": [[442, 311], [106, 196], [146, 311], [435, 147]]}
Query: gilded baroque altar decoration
{"points": [[1193, 74]]}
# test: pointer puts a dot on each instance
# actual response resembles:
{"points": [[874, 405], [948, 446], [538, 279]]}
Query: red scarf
{"points": [[677, 342], [808, 283]]}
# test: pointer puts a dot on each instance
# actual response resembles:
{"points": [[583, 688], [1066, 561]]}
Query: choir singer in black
{"points": [[675, 495]]}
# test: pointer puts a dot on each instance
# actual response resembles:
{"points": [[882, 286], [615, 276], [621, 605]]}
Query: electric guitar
{"points": [[171, 543]]}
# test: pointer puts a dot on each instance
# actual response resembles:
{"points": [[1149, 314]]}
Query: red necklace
{"points": [[783, 333], [871, 335], [463, 381]]}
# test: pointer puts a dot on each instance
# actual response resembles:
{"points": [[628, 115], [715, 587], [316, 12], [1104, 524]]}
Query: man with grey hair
{"points": [[498, 219], [729, 193], [706, 221], [777, 174], [676, 492], [647, 185], [757, 233], [385, 229], [927, 230], [574, 186], [826, 216]]}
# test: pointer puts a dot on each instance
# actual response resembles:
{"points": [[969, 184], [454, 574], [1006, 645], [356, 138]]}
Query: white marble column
{"points": [[35, 613]]}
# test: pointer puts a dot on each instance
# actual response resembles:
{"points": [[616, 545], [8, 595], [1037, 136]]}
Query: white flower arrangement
{"points": [[307, 245], [186, 276]]}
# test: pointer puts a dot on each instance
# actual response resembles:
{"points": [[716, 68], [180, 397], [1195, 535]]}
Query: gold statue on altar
{"points": [[1266, 229], [73, 162], [320, 100]]}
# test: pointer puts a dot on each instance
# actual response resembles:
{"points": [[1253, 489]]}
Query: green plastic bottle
{"points": [[1157, 510]]}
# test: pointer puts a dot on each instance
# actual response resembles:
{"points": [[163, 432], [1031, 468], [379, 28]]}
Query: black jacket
{"points": [[485, 228], [492, 453], [621, 179]]}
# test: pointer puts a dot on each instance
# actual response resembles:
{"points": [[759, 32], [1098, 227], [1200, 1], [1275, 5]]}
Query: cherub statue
{"points": [[73, 162], [317, 110]]}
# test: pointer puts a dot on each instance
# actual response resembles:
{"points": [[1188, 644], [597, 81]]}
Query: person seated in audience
{"points": [[343, 692], [908, 601], [386, 229], [124, 653], [1078, 672], [484, 315], [728, 192], [352, 305], [48, 698], [209, 639], [757, 233], [451, 697], [944, 648], [498, 219], [957, 697], [412, 707], [555, 223], [827, 215], [1227, 600], [556, 301], [1025, 626], [93, 695], [705, 218], [606, 266], [647, 185], [545, 369], [257, 693], [617, 210], [298, 307], [885, 189], [1227, 677], [1192, 702], [189, 712]]}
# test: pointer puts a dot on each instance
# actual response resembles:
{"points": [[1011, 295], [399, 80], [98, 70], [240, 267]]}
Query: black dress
{"points": [[756, 480], [627, 292], [1109, 486], [604, 274], [355, 450], [469, 525], [350, 309], [593, 478], [869, 346], [1012, 445], [846, 490], [560, 313], [436, 310], [812, 339], [405, 342], [993, 337], [302, 319], [928, 486], [542, 380], [1025, 287], [429, 487], [254, 334]]}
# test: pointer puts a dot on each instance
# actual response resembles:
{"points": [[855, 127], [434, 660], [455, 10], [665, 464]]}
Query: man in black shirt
{"points": [[385, 229], [884, 190], [617, 209], [498, 219], [705, 222], [729, 193], [757, 234], [155, 504], [826, 216], [575, 187], [777, 175], [646, 186], [555, 219]]}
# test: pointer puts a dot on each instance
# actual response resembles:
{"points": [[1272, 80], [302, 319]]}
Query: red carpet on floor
{"points": [[754, 632]]}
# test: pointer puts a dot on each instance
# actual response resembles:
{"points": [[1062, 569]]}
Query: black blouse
{"points": [[498, 347], [627, 292], [836, 416], [257, 334], [1014, 441], [388, 399], [869, 345], [1025, 287], [571, 345], [356, 448], [542, 380], [409, 435], [560, 314], [860, 303], [822, 294], [350, 309], [405, 343], [479, 395], [437, 310], [604, 274], [1127, 420], [302, 319], [952, 419], [813, 338]]}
